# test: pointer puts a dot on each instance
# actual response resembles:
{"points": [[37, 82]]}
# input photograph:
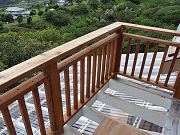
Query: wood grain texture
{"points": [[25, 116], [144, 60], [113, 127], [153, 61], [8, 121], [127, 54], [162, 63], [67, 91], [135, 57], [88, 77], [75, 86], [38, 109]]}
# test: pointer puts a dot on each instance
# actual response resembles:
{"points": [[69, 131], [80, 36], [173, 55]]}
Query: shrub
{"points": [[29, 20], [58, 18], [20, 19], [8, 18], [40, 13], [169, 14]]}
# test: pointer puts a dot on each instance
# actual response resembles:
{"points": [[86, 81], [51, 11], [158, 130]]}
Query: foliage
{"points": [[169, 14], [1, 25], [40, 13], [59, 18], [135, 1], [80, 9], [20, 19], [93, 3], [8, 18], [29, 20], [33, 12]]}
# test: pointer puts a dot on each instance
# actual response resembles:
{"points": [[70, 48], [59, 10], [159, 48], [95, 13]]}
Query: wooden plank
{"points": [[67, 91], [172, 66], [153, 60], [94, 71], [162, 63], [114, 62], [50, 105], [25, 116], [32, 65], [99, 67], [88, 77], [111, 58], [114, 127], [135, 57], [150, 29], [127, 54], [103, 64], [144, 59], [108, 60], [75, 86], [119, 50], [37, 104], [8, 121], [55, 89], [82, 66], [153, 40]]}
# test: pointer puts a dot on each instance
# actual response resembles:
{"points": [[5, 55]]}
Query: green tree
{"points": [[58, 18], [93, 3], [20, 19], [135, 1], [8, 18], [33, 12], [29, 20], [1, 25], [40, 13]]}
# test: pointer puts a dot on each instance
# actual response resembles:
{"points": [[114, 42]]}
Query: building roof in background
{"points": [[14, 9]]}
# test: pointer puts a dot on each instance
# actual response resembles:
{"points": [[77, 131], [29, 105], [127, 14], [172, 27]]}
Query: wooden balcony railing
{"points": [[99, 55]]}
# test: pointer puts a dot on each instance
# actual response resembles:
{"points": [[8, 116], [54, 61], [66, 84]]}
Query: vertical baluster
{"points": [[108, 59], [127, 54], [37, 104], [88, 77], [99, 67], [75, 86], [144, 59], [119, 50], [162, 63], [67, 91], [8, 121], [53, 96], [135, 57], [111, 58], [94, 71], [115, 46], [82, 65], [49, 100], [103, 64], [25, 116], [153, 60], [171, 67]]}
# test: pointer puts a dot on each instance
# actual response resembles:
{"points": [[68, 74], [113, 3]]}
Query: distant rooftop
{"points": [[14, 9]]}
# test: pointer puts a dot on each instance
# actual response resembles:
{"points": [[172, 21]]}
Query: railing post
{"points": [[54, 100], [117, 53], [173, 119]]}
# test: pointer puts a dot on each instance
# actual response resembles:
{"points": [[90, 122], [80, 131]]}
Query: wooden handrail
{"points": [[34, 64], [103, 59]]}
